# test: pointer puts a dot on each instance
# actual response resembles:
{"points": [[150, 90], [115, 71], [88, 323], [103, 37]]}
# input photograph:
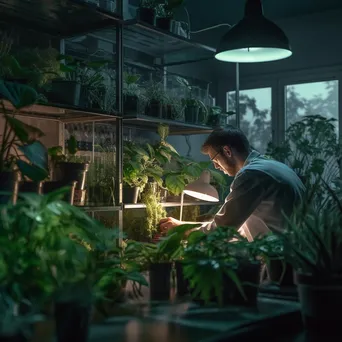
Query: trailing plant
{"points": [[19, 145], [154, 211]]}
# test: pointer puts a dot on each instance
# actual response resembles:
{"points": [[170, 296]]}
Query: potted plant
{"points": [[147, 11], [195, 110], [165, 12], [226, 258], [131, 93], [155, 96], [159, 258], [69, 168], [78, 80], [20, 150], [313, 245], [216, 117]]}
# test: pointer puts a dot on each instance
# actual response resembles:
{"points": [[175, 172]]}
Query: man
{"points": [[262, 190]]}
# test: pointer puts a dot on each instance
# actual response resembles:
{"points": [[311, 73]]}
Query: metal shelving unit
{"points": [[70, 18]]}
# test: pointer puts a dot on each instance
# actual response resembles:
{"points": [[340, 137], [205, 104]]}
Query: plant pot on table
{"points": [[249, 275], [154, 109], [9, 182], [49, 187], [130, 104], [72, 321], [31, 187], [191, 114], [280, 272], [147, 15], [164, 23], [168, 112], [321, 302], [130, 195], [182, 282], [160, 281], [68, 172], [64, 92]]}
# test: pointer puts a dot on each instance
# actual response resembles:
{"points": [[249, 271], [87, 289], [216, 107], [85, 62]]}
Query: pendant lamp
{"points": [[253, 39]]}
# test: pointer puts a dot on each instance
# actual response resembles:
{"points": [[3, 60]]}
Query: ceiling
{"points": [[214, 12]]}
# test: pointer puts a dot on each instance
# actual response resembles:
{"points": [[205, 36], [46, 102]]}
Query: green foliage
{"points": [[312, 150], [20, 137], [217, 255], [313, 238], [169, 248], [53, 250], [154, 211], [56, 152]]}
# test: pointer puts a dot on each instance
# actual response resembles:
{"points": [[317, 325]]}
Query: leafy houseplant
{"points": [[311, 149], [229, 260], [69, 168], [147, 11], [216, 117], [79, 82], [19, 137], [313, 245], [195, 110], [159, 258], [165, 12], [155, 97], [132, 93]]}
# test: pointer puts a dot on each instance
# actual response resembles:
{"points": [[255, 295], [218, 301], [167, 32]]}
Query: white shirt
{"points": [[261, 192]]}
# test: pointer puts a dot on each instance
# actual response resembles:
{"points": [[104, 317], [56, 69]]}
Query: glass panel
{"points": [[255, 115], [315, 98]]}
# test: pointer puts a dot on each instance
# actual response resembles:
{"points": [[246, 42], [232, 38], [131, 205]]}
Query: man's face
{"points": [[224, 160]]}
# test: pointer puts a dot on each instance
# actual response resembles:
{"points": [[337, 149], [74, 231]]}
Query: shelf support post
{"points": [[119, 122]]}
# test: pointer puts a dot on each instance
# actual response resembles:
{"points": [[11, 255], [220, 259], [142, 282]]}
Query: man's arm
{"points": [[247, 192]]}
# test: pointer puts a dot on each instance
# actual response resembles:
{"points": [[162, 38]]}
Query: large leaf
{"points": [[19, 95], [33, 172], [36, 153], [174, 183], [24, 132]]}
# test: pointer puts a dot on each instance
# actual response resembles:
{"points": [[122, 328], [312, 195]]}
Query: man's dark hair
{"points": [[229, 136]]}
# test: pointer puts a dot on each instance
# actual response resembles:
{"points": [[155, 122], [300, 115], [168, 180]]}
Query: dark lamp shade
{"points": [[253, 39], [201, 189]]}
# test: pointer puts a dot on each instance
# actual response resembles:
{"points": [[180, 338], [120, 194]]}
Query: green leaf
{"points": [[33, 172], [36, 153], [25, 133], [174, 184], [72, 145], [19, 95]]}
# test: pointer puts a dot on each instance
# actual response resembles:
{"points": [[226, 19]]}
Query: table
{"points": [[189, 322]]}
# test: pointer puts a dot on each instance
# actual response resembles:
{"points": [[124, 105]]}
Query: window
{"points": [[315, 98], [255, 115]]}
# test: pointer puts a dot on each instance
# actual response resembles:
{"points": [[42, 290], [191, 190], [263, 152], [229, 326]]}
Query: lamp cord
{"points": [[205, 29]]}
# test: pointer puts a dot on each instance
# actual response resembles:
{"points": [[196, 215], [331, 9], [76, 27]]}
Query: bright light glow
{"points": [[253, 55], [201, 196]]}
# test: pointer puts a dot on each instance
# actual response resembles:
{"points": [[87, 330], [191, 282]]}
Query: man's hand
{"points": [[168, 223]]}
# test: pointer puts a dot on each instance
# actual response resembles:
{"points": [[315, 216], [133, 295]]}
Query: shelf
{"points": [[62, 18], [98, 209], [172, 48], [168, 204], [66, 114], [176, 127]]}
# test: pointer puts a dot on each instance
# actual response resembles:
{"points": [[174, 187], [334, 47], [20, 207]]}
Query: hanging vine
{"points": [[154, 211]]}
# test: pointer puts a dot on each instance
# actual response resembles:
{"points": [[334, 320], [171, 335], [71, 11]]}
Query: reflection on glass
{"points": [[255, 115]]}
